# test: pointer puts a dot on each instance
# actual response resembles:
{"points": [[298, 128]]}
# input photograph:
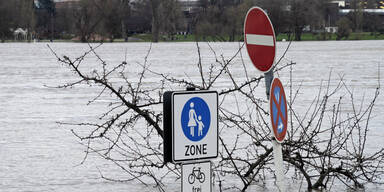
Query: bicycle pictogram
{"points": [[196, 174]]}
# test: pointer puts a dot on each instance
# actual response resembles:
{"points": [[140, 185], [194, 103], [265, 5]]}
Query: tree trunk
{"points": [[298, 32], [155, 20], [52, 27], [124, 31], [233, 35], [155, 29], [83, 38]]}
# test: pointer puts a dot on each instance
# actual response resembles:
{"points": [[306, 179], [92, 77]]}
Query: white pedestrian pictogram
{"points": [[195, 121], [192, 119], [200, 127]]}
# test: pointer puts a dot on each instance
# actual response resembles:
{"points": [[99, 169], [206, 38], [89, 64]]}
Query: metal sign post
{"points": [[279, 168], [260, 41]]}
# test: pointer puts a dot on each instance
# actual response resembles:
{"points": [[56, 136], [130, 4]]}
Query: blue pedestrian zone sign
{"points": [[195, 119], [194, 125]]}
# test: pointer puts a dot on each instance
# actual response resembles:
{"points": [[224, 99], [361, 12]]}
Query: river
{"points": [[37, 154]]}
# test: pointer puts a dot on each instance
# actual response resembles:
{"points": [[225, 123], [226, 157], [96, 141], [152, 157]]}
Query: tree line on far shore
{"points": [[218, 20]]}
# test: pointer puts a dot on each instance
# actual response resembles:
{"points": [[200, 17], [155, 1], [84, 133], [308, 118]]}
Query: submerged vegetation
{"points": [[326, 143]]}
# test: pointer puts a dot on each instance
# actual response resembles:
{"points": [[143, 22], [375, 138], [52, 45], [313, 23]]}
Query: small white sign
{"points": [[196, 177], [195, 125]]}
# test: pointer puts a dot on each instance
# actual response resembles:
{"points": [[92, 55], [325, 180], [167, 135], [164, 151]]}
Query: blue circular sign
{"points": [[195, 119], [278, 108]]}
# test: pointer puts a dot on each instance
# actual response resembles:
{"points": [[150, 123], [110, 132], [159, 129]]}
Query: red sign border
{"points": [[279, 137], [274, 36]]}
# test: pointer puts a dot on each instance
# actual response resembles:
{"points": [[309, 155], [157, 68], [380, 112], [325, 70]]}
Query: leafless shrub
{"points": [[324, 143]]}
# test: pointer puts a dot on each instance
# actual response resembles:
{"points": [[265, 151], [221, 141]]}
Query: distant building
{"points": [[371, 11], [189, 6], [365, 4], [65, 3], [331, 29], [20, 34], [341, 4], [339, 8]]}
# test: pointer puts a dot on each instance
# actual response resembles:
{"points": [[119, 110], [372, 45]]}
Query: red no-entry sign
{"points": [[259, 38]]}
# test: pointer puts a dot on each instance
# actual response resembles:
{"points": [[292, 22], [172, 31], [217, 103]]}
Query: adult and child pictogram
{"points": [[195, 119]]}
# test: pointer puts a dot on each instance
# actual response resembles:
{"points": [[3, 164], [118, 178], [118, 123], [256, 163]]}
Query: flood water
{"points": [[37, 154]]}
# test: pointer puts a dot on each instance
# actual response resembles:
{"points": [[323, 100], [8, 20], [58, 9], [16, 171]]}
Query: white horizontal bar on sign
{"points": [[266, 40]]}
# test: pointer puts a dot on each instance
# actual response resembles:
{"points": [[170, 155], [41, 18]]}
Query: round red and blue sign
{"points": [[278, 110]]}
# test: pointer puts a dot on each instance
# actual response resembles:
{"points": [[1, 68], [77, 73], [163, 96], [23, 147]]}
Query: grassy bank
{"points": [[330, 36], [192, 38], [280, 37]]}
